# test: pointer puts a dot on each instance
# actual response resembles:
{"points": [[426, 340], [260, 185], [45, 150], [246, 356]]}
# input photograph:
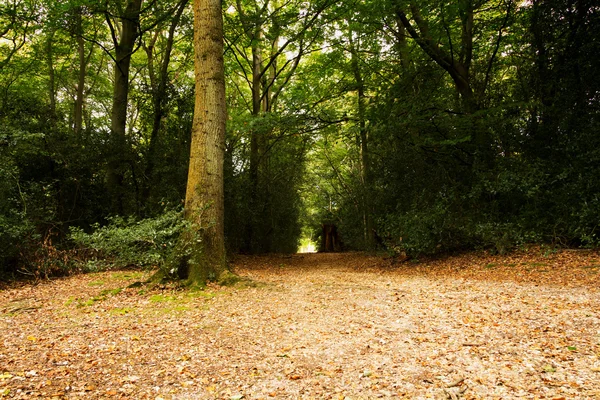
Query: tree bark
{"points": [[204, 201], [330, 239], [402, 45]]}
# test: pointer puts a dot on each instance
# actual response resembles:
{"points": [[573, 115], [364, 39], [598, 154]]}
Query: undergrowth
{"points": [[129, 242]]}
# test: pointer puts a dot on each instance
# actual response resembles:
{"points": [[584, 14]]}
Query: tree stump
{"points": [[330, 239]]}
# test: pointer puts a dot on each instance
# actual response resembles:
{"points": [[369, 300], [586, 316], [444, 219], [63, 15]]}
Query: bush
{"points": [[123, 243], [423, 231], [15, 228]]}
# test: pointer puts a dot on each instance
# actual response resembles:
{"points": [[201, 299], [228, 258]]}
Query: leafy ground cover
{"points": [[323, 326]]}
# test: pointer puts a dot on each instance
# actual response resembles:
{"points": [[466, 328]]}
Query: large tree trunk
{"points": [[204, 197], [124, 49]]}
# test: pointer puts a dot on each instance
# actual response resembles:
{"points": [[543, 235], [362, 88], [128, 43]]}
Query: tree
{"points": [[448, 39], [362, 138], [204, 201], [159, 82], [124, 19], [17, 22], [268, 40], [124, 48], [354, 57], [423, 126]]}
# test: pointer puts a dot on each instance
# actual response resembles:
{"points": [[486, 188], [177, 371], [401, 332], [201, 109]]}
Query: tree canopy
{"points": [[415, 127]]}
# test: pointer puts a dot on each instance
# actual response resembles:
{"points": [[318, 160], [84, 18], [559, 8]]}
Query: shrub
{"points": [[130, 242]]}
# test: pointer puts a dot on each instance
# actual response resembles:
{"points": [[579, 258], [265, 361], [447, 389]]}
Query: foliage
{"points": [[129, 242], [355, 120], [15, 228], [519, 165], [273, 215]]}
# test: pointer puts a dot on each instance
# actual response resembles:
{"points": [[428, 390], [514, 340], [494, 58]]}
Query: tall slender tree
{"points": [[269, 40], [159, 83], [129, 30]]}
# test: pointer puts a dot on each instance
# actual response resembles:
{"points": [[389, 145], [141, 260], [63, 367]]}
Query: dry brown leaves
{"points": [[323, 326]]}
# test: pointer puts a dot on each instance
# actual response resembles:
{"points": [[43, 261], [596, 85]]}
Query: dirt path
{"points": [[320, 326]]}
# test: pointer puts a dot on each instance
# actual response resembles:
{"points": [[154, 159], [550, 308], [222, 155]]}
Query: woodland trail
{"points": [[322, 326]]}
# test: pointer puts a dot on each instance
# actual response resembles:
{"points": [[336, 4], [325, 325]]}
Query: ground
{"points": [[322, 326]]}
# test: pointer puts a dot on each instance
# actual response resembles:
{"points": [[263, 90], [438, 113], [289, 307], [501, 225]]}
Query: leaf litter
{"points": [[315, 326]]}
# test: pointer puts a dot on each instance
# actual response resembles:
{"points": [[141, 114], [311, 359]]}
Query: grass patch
{"points": [[89, 302], [593, 266], [121, 311], [200, 295], [170, 310], [181, 302], [110, 292], [490, 266], [161, 298], [538, 264], [127, 275], [96, 283], [101, 297]]}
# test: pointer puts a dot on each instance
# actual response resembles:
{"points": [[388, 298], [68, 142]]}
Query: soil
{"points": [[314, 326]]}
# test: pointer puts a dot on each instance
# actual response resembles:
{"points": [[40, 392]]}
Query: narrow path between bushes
{"points": [[323, 326]]}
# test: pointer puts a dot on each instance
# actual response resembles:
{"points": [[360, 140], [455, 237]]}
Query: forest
{"points": [[417, 128], [166, 167]]}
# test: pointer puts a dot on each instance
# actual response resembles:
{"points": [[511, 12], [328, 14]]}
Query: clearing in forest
{"points": [[322, 326]]}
